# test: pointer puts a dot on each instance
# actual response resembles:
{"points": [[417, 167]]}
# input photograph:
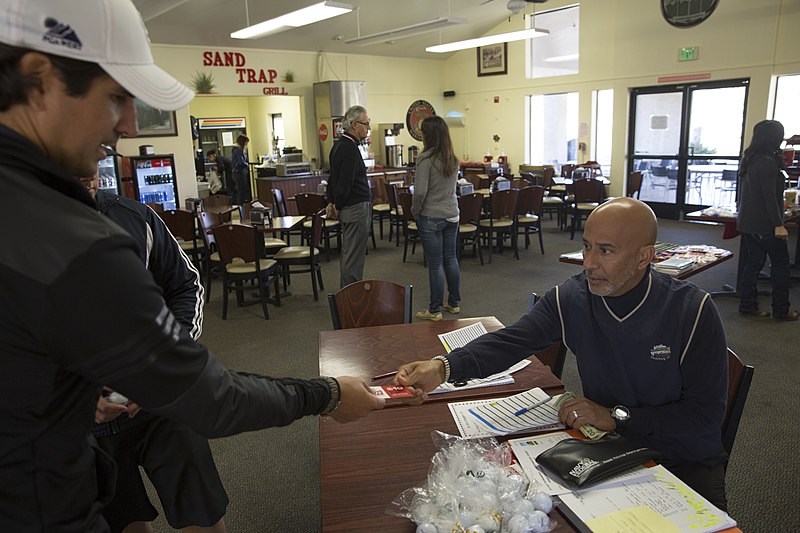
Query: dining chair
{"points": [[395, 212], [529, 213], [553, 202], [241, 255], [502, 220], [207, 221], [271, 243], [309, 203], [183, 227], [470, 207], [634, 185], [306, 257], [380, 210], [589, 194], [217, 200], [155, 206], [407, 223], [370, 303], [726, 187], [739, 378], [279, 201]]}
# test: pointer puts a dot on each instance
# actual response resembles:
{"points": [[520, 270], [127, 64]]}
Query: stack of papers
{"points": [[527, 411], [675, 265], [501, 378]]}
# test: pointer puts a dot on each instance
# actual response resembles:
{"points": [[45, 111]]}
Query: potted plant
{"points": [[203, 83]]}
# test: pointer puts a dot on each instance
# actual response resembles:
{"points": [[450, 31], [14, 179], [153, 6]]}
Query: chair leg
{"points": [[539, 231], [319, 278], [314, 282], [224, 297], [276, 283], [572, 227], [262, 294]]}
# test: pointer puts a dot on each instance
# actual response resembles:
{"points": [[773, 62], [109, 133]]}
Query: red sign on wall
{"points": [[323, 132]]}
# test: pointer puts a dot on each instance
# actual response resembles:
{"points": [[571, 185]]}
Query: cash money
{"points": [[588, 430]]}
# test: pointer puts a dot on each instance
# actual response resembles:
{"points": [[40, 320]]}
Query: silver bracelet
{"points": [[336, 397], [446, 363]]}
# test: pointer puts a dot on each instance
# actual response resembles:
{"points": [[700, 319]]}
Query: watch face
{"points": [[620, 413]]}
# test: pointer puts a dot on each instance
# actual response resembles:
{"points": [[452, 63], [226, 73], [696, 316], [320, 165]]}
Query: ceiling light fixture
{"points": [[301, 17], [407, 31], [531, 33]]}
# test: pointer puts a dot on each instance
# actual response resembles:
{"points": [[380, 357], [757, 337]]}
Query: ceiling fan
{"points": [[515, 6]]}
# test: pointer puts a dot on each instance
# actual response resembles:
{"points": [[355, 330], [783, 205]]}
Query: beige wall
{"points": [[624, 44]]}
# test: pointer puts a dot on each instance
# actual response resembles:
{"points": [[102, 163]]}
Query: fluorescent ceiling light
{"points": [[301, 17], [487, 40], [406, 31]]}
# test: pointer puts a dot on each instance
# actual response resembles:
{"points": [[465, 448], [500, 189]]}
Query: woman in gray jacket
{"points": [[435, 208]]}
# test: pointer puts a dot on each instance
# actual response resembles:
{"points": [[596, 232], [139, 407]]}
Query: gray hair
{"points": [[352, 115]]}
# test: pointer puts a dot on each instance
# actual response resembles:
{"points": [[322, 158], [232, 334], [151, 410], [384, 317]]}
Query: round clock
{"points": [[417, 112], [687, 13]]}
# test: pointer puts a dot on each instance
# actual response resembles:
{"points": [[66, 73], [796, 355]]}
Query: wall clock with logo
{"points": [[417, 112], [687, 13]]}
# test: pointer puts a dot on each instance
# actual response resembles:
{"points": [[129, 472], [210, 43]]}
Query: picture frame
{"points": [[154, 122], [493, 59]]}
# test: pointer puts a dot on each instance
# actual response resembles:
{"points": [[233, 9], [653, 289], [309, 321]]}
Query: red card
{"points": [[388, 392]]}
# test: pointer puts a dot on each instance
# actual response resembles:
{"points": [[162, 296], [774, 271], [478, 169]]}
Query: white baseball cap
{"points": [[110, 33]]}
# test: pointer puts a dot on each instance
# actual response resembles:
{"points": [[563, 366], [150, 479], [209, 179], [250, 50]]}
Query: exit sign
{"points": [[690, 53]]}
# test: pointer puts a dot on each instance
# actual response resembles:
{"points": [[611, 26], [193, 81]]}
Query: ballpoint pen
{"points": [[384, 376], [531, 407]]}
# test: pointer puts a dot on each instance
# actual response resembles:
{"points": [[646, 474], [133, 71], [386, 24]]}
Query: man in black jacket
{"points": [[348, 194], [169, 452], [224, 171], [77, 308]]}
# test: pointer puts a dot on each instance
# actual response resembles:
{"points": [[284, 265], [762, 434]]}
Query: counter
{"points": [[289, 185]]}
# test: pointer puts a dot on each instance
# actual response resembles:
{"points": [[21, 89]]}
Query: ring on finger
{"points": [[575, 415]]}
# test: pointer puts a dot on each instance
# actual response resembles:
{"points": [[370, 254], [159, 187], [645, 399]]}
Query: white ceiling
{"points": [[210, 23]]}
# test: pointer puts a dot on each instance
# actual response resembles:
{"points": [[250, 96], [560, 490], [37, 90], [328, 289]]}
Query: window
{"points": [[555, 54], [787, 96], [553, 129], [603, 122]]}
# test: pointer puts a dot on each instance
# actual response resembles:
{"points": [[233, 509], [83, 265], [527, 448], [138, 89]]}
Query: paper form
{"points": [[526, 450], [460, 337], [501, 378], [629, 505], [477, 418]]}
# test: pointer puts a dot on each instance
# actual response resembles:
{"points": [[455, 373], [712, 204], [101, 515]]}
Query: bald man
{"points": [[650, 349]]}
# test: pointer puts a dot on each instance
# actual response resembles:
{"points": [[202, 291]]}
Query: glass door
{"points": [[687, 140]]}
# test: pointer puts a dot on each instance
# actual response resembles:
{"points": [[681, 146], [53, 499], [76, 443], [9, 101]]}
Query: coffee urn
{"points": [[413, 152], [394, 156]]}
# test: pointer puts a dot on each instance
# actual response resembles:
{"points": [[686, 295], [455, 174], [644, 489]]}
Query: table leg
{"points": [[727, 289]]}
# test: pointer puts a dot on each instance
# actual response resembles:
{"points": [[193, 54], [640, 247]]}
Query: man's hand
{"points": [[580, 411], [356, 400], [781, 232], [107, 411], [422, 377], [330, 212]]}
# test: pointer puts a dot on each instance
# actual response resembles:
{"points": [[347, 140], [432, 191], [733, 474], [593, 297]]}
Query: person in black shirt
{"points": [[224, 172]]}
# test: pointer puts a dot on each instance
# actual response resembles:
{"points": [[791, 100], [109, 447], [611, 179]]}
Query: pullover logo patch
{"points": [[61, 34], [659, 352]]}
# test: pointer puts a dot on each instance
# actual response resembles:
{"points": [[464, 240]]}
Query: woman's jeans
{"points": [[439, 240], [757, 247], [243, 192]]}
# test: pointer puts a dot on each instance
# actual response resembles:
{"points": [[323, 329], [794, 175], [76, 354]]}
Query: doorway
{"points": [[687, 141]]}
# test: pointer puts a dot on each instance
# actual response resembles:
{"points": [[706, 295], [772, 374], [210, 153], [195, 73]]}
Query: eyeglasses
{"points": [[363, 123]]}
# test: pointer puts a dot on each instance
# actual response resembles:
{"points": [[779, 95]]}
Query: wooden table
{"points": [[364, 465], [279, 224], [575, 258]]}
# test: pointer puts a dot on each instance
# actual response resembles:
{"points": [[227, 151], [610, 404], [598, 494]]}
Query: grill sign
{"points": [[687, 13]]}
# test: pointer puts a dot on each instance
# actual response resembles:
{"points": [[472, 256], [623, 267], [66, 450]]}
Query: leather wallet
{"points": [[582, 463]]}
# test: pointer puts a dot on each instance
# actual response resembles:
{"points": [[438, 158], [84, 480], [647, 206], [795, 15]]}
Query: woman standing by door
{"points": [[760, 219], [241, 171], [435, 208]]}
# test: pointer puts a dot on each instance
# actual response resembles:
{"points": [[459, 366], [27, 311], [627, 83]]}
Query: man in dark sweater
{"points": [[650, 349], [348, 194]]}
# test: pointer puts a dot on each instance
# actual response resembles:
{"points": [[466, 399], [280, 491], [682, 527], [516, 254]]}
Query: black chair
{"points": [[634, 186], [309, 203], [207, 221], [529, 213], [380, 211], [183, 227], [502, 221], [589, 193], [305, 257], [370, 303], [241, 253], [407, 223], [279, 201], [739, 378]]}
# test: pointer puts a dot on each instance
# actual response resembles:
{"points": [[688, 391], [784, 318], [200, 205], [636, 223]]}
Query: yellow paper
{"points": [[640, 519]]}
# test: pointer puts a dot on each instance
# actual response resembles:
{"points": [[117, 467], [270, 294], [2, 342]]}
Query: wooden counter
{"points": [[289, 185]]}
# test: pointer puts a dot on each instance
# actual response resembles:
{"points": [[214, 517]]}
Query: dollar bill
{"points": [[588, 430]]}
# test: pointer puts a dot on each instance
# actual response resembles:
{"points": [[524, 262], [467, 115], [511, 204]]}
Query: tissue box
{"points": [[192, 204], [464, 188], [259, 215]]}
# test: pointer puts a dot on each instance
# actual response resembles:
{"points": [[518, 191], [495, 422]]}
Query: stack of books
{"points": [[675, 265]]}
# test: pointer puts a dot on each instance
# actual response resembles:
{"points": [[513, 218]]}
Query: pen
{"points": [[385, 375], [531, 407]]}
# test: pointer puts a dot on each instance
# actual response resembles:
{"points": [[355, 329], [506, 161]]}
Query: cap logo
{"points": [[61, 34]]}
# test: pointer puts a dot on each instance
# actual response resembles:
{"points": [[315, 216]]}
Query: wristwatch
{"points": [[620, 413]]}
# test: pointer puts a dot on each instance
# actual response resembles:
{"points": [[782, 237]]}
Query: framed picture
{"points": [[154, 122], [493, 59]]}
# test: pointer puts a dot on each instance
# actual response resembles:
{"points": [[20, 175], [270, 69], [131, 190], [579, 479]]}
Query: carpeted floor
{"points": [[272, 476]]}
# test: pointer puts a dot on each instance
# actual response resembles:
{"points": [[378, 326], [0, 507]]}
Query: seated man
{"points": [[650, 349]]}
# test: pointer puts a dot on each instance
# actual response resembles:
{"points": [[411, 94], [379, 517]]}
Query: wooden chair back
{"points": [[180, 223], [217, 200], [155, 206], [566, 171], [404, 200], [236, 241], [530, 200], [370, 303], [520, 183], [280, 202], [309, 203], [740, 376], [634, 184], [470, 207], [589, 190], [504, 203], [207, 222]]}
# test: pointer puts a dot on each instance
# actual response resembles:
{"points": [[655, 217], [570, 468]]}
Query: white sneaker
{"points": [[452, 310], [427, 315]]}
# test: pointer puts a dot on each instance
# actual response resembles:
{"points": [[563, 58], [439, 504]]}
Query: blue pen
{"points": [[531, 407]]}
